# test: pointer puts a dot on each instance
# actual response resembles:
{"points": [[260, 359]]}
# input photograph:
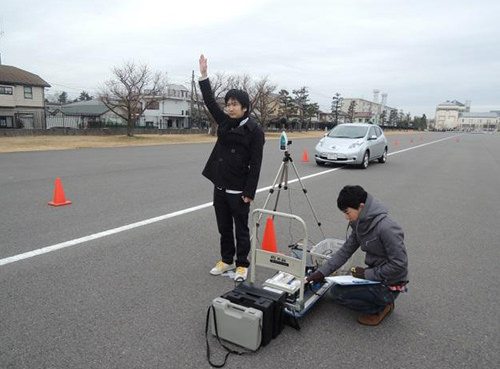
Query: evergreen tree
{"points": [[336, 105], [301, 100], [423, 121], [286, 106], [383, 117], [393, 118], [310, 111], [84, 96], [351, 111], [63, 97]]}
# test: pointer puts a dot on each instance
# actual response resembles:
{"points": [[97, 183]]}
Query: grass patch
{"points": [[63, 142]]}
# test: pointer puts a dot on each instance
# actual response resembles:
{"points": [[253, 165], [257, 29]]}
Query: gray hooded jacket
{"points": [[381, 239]]}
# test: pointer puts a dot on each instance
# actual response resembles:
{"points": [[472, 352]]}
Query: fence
{"points": [[66, 121]]}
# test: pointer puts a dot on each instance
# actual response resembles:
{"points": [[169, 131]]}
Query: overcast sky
{"points": [[419, 52]]}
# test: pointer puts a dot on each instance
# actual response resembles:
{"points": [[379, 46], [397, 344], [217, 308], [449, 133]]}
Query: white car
{"points": [[352, 143]]}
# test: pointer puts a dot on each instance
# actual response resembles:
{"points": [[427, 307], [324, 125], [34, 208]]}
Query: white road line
{"points": [[77, 241]]}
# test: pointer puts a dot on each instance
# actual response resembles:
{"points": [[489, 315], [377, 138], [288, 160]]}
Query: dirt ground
{"points": [[44, 143]]}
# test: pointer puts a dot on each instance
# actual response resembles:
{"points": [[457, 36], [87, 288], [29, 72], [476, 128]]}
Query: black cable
{"points": [[217, 334]]}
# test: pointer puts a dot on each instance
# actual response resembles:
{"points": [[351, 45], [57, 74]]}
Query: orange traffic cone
{"points": [[304, 157], [59, 198], [269, 242], [396, 142]]}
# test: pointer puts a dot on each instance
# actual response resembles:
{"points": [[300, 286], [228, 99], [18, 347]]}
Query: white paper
{"points": [[349, 280]]}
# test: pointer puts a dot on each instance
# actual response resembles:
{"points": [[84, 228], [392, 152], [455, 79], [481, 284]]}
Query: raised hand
{"points": [[203, 65]]}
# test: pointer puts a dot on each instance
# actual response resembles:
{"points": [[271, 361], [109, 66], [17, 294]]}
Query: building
{"points": [[82, 114], [366, 111], [447, 114], [479, 121], [454, 115], [22, 99], [329, 118], [173, 112]]}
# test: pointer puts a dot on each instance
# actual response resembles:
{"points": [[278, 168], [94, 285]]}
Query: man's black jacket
{"points": [[235, 161]]}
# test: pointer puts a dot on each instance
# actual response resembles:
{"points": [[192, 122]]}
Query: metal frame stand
{"points": [[285, 263]]}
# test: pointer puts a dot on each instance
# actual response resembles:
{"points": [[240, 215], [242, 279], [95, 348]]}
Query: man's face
{"points": [[234, 109], [352, 214]]}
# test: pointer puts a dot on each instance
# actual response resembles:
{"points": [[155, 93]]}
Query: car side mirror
{"points": [[373, 137]]}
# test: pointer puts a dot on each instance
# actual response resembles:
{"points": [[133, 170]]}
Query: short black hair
{"points": [[240, 96], [351, 197]]}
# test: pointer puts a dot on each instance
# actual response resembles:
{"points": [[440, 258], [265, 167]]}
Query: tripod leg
{"points": [[271, 190], [307, 197], [284, 175]]}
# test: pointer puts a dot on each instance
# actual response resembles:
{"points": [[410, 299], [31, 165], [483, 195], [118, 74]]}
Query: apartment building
{"points": [[173, 112], [22, 99]]}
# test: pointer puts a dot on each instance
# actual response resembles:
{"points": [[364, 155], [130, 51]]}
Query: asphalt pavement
{"points": [[134, 295]]}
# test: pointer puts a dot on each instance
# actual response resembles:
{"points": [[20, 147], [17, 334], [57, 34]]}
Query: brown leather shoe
{"points": [[375, 319]]}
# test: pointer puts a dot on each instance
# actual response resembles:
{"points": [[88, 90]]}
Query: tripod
{"points": [[282, 177]]}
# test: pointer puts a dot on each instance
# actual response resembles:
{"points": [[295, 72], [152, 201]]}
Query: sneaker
{"points": [[221, 268], [241, 274], [375, 319]]}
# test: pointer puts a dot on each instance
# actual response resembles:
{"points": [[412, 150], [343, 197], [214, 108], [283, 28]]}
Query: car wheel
{"points": [[383, 158], [366, 160], [320, 163]]}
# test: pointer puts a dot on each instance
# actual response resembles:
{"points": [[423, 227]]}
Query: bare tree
{"points": [[264, 101], [241, 82], [133, 89], [244, 82], [219, 87], [259, 93]]}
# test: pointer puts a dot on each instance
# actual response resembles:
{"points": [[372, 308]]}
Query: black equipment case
{"points": [[270, 303], [278, 297]]}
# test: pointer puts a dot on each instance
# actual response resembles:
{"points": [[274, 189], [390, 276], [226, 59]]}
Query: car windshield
{"points": [[348, 132]]}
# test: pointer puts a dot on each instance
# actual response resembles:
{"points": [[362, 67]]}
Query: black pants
{"points": [[368, 299], [230, 209]]}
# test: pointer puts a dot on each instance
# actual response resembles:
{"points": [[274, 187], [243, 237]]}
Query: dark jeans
{"points": [[230, 209], [367, 299]]}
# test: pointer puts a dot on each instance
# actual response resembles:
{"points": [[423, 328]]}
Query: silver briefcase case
{"points": [[237, 324]]}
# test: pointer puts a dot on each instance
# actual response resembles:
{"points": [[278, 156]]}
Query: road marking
{"points": [[77, 241]]}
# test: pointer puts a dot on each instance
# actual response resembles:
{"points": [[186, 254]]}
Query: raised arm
{"points": [[203, 66], [208, 95]]}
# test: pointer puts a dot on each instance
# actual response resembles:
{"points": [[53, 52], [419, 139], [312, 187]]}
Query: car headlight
{"points": [[320, 143], [356, 144]]}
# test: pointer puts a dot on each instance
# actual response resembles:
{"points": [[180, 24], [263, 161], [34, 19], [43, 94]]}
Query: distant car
{"points": [[352, 143]]}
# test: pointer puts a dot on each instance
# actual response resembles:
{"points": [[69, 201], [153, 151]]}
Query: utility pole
{"points": [[194, 92], [191, 102]]}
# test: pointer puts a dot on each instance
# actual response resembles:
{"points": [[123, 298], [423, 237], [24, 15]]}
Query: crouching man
{"points": [[382, 240]]}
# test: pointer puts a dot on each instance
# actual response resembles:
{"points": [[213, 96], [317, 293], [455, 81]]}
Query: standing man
{"points": [[382, 240], [234, 168]]}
